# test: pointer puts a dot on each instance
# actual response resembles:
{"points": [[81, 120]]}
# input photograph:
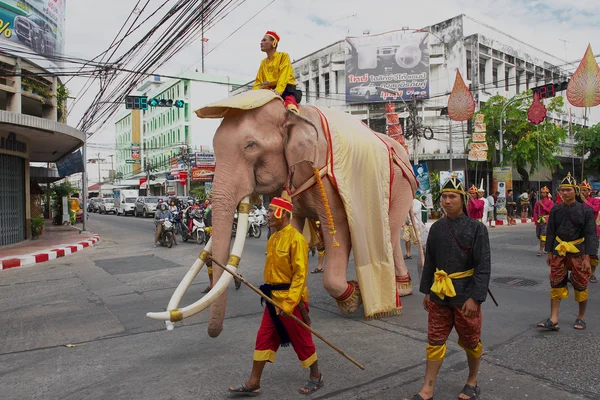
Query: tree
{"points": [[520, 139], [198, 192], [590, 137]]}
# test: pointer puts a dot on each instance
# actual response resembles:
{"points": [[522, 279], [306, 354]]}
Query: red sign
{"points": [[182, 177], [203, 173]]}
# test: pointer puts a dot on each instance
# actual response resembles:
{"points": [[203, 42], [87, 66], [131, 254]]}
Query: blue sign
{"points": [[71, 164]]}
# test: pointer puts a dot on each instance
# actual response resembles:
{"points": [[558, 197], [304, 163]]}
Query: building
{"points": [[164, 133], [32, 112], [490, 61]]}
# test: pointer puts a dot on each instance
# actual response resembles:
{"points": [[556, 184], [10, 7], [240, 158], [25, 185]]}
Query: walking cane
{"points": [[298, 320]]}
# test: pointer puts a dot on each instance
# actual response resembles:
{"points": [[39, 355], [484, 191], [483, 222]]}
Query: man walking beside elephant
{"points": [[455, 282], [286, 269]]}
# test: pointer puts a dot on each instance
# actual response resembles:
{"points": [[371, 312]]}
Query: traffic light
{"points": [[136, 102], [550, 89], [165, 103]]}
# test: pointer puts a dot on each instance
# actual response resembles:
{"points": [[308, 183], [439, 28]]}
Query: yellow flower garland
{"points": [[332, 232]]}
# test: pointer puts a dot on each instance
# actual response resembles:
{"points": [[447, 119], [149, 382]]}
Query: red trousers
{"points": [[441, 320], [267, 340], [559, 267]]}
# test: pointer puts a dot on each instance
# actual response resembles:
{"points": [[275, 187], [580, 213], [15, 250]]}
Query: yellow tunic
{"points": [[277, 70], [287, 262]]}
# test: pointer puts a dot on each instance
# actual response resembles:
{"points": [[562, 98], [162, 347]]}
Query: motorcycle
{"points": [[198, 232], [253, 227], [259, 217], [166, 235]]}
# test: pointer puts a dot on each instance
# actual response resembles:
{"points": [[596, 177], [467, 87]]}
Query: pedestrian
{"points": [[410, 234], [495, 198], [570, 241], [524, 203], [486, 207], [593, 203], [475, 204], [533, 196], [511, 206], [455, 282], [286, 268], [541, 211]]}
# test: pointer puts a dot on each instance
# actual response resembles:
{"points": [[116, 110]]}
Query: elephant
{"points": [[262, 149]]}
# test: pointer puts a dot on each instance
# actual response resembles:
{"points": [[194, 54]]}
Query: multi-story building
{"points": [[164, 130], [490, 61], [32, 112]]}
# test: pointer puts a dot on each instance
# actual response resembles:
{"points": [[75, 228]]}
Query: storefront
{"points": [[14, 188]]}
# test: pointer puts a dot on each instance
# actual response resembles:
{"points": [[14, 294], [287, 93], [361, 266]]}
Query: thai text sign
{"points": [[398, 61]]}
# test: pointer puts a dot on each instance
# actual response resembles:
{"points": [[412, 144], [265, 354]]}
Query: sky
{"points": [[309, 25]]}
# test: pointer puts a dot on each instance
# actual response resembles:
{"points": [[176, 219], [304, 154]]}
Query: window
{"points": [[495, 76], [518, 82], [326, 82], [482, 72], [317, 88], [506, 75], [307, 90], [469, 66]]}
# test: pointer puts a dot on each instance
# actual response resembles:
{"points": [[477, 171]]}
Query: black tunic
{"points": [[471, 252], [572, 222]]}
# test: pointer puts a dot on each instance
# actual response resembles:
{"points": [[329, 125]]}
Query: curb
{"points": [[49, 254]]}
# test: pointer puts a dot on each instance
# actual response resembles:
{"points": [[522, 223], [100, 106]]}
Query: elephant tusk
{"points": [[174, 314]]}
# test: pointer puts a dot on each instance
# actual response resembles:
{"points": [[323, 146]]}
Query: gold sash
{"points": [[442, 282], [567, 247]]}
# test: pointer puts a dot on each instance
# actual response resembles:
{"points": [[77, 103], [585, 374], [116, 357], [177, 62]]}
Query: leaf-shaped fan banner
{"points": [[461, 105], [584, 86], [537, 112]]}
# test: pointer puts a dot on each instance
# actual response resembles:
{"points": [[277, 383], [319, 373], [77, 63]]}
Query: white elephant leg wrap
{"points": [[351, 300]]}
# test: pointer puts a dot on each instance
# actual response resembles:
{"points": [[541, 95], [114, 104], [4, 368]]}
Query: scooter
{"points": [[253, 227], [259, 217], [166, 235]]}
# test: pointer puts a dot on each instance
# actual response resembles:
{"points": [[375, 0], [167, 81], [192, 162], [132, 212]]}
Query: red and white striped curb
{"points": [[517, 221], [46, 255]]}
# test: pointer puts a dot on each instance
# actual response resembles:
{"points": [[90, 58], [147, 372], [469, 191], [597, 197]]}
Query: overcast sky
{"points": [[308, 25]]}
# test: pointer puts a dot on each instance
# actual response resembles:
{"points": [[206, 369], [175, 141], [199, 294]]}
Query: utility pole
{"points": [[99, 179], [84, 183], [148, 167], [112, 167]]}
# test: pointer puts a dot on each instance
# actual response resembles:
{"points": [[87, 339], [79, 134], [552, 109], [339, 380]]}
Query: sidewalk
{"points": [[55, 241]]}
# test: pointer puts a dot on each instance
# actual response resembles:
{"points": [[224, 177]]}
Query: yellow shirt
{"points": [[287, 262], [277, 70]]}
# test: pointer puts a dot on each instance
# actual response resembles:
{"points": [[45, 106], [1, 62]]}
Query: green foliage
{"points": [[37, 223], [72, 217], [434, 184], [590, 137], [58, 191], [62, 93], [520, 140], [198, 192], [36, 86]]}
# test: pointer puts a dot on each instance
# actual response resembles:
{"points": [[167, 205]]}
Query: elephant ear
{"points": [[301, 140]]}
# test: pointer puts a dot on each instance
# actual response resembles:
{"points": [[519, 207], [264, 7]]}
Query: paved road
{"points": [[96, 300]]}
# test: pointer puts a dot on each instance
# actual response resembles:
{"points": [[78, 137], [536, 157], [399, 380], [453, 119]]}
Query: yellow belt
{"points": [[442, 282], [542, 219], [567, 247]]}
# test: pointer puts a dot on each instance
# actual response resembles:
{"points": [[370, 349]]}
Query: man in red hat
{"points": [[586, 196], [286, 269], [541, 213], [276, 72], [475, 204]]}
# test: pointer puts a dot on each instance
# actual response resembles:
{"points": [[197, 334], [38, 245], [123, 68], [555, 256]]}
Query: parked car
{"points": [[145, 206], [36, 33], [93, 204], [107, 206]]}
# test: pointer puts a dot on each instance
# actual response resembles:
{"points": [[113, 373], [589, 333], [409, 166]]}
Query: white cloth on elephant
{"points": [[361, 168]]}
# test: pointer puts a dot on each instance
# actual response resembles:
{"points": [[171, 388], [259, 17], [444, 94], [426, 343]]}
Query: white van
{"points": [[125, 201]]}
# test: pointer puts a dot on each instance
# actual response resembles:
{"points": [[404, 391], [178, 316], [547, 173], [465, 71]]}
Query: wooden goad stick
{"points": [[261, 294]]}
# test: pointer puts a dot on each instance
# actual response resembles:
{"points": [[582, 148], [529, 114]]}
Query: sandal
{"points": [[548, 324], [312, 386], [407, 257], [419, 397], [317, 271], [539, 254], [245, 391], [593, 279], [206, 290], [579, 322], [472, 391]]}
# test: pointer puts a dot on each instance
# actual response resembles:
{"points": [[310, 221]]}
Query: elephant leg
{"points": [[399, 209]]}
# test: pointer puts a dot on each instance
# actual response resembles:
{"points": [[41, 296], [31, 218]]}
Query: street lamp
{"points": [[501, 119]]}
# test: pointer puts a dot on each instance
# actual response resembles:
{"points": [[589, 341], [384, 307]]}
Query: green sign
{"points": [[133, 161]]}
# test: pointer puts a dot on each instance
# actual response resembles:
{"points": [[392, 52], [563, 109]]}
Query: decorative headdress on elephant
{"points": [[569, 181]]}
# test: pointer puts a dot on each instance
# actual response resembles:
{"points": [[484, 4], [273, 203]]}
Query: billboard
{"points": [[397, 60], [502, 183], [33, 26], [71, 164]]}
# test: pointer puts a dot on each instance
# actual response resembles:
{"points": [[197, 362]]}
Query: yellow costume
{"points": [[276, 71]]}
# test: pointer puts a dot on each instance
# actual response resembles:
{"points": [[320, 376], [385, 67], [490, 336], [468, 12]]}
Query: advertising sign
{"points": [[174, 166], [136, 151], [501, 182], [397, 60], [34, 26], [204, 158], [71, 164], [444, 175], [203, 174]]}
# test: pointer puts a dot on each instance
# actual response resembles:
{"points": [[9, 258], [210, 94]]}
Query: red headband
{"points": [[274, 35], [281, 205]]}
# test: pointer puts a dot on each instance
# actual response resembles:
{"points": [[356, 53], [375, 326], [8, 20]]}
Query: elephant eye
{"points": [[250, 144]]}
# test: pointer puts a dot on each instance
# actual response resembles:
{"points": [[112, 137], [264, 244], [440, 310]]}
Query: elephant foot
{"points": [[351, 300], [404, 285]]}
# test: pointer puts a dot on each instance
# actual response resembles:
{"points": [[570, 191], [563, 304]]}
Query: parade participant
{"points": [[276, 72], [455, 282], [524, 203], [570, 241], [594, 203], [286, 269], [541, 211], [486, 206], [475, 204], [511, 206]]}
